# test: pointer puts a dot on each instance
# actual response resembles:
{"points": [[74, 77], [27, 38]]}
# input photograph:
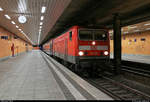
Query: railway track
{"points": [[117, 90], [141, 72], [140, 69], [136, 65], [132, 67]]}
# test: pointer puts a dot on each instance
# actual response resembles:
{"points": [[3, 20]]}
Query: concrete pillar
{"points": [[117, 43]]}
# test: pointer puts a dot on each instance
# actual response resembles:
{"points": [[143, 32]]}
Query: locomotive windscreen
{"points": [[92, 35], [85, 35]]}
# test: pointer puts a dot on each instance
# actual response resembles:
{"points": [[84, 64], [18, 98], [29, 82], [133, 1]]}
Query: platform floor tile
{"points": [[27, 77], [33, 76]]}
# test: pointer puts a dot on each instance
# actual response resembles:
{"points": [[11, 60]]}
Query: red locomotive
{"points": [[81, 46]]}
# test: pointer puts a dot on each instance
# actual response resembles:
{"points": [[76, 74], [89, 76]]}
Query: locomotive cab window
{"points": [[93, 35], [70, 36], [85, 35]]}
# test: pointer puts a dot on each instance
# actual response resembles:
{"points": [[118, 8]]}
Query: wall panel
{"points": [[5, 44], [132, 43]]}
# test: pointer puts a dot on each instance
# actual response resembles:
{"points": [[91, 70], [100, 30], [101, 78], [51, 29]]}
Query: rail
{"points": [[117, 90]]}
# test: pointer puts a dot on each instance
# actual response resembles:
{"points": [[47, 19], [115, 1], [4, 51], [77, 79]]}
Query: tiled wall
{"points": [[135, 43], [5, 44]]}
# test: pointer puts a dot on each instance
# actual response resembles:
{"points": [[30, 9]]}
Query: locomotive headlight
{"points": [[93, 43], [106, 53], [81, 53]]}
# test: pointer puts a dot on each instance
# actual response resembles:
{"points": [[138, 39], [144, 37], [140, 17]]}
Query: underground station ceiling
{"points": [[37, 21]]}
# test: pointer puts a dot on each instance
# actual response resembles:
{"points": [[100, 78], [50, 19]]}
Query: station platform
{"points": [[135, 58], [36, 76]]}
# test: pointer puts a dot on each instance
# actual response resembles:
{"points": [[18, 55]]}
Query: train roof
{"points": [[82, 27]]}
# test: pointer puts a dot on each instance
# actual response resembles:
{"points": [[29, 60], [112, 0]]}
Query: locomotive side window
{"points": [[70, 35], [86, 35]]}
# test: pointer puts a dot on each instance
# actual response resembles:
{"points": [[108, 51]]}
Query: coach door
{"points": [[66, 49]]}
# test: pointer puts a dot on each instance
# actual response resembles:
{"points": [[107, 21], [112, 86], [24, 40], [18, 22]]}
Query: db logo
{"points": [[93, 48]]}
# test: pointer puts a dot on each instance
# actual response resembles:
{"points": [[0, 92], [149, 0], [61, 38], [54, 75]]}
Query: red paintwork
{"points": [[59, 43], [46, 47], [94, 52], [73, 46]]}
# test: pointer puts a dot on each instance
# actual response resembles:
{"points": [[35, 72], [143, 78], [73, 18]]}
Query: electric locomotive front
{"points": [[93, 46]]}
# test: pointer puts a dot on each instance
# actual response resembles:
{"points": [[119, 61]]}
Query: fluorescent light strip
{"points": [[28, 38], [43, 9], [39, 38], [147, 28], [40, 27], [17, 27], [136, 30], [147, 24], [1, 9], [7, 17], [42, 18], [41, 23], [133, 26], [13, 22], [125, 32]]}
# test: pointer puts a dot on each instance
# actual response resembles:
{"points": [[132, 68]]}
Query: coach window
{"points": [[70, 36]]}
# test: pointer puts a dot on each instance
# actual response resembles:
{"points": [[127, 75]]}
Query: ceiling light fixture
{"points": [[40, 27], [17, 27], [28, 38], [41, 23], [42, 17], [7, 17], [126, 32], [1, 9], [13, 22], [133, 26], [147, 24], [22, 19], [20, 29], [39, 38], [147, 28], [43, 9], [137, 30]]}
